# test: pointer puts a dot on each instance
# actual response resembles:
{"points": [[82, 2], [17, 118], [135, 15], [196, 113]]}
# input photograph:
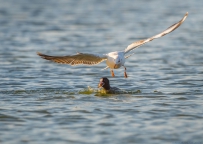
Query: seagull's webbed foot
{"points": [[112, 73], [125, 74]]}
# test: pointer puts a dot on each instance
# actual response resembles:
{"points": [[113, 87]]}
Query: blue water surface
{"points": [[45, 102]]}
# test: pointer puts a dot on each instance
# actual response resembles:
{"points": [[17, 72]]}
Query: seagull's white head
{"points": [[115, 60], [118, 62]]}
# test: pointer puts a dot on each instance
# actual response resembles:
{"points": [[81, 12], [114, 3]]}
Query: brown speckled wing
{"points": [[168, 30], [79, 58]]}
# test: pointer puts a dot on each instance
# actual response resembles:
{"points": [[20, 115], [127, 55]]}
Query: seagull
{"points": [[114, 60]]}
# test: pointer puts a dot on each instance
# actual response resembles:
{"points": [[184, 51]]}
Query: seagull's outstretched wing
{"points": [[168, 30], [79, 58]]}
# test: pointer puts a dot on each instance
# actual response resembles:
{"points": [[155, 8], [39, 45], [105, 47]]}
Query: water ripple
{"points": [[44, 102]]}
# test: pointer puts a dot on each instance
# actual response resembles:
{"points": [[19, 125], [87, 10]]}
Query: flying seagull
{"points": [[114, 60]]}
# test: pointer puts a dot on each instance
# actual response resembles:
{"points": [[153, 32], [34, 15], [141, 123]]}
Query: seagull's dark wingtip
{"points": [[38, 53]]}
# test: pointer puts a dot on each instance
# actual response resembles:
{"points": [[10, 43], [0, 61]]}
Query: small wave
{"points": [[102, 92], [87, 91], [54, 91]]}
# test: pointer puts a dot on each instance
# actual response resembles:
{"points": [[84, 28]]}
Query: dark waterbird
{"points": [[105, 84]]}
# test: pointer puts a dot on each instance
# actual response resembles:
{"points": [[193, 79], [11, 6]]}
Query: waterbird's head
{"points": [[104, 82]]}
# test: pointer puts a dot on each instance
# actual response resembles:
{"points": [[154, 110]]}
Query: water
{"points": [[44, 102]]}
